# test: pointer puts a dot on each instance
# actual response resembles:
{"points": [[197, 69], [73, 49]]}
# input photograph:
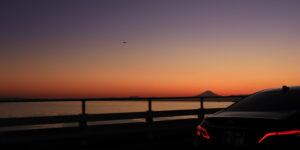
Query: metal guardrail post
{"points": [[149, 120], [201, 103], [201, 110], [83, 122], [149, 117]]}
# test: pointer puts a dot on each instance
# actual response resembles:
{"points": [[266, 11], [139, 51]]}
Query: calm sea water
{"points": [[27, 109], [30, 109]]}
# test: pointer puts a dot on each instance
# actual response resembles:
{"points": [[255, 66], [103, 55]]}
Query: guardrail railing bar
{"points": [[97, 117], [84, 117]]}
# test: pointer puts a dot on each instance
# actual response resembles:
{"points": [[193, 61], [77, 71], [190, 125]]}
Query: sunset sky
{"points": [[75, 48]]}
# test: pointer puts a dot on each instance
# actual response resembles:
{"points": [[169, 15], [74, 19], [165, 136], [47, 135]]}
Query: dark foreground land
{"points": [[173, 134]]}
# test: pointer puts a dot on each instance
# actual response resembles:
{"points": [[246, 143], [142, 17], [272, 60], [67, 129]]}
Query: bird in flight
{"points": [[124, 42]]}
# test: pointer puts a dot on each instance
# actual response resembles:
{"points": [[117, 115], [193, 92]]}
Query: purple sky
{"points": [[169, 42]]}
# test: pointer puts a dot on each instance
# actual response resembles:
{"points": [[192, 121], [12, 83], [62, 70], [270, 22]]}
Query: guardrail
{"points": [[83, 118]]}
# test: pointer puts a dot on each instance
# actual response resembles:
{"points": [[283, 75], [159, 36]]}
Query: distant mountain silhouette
{"points": [[10, 98], [207, 94], [134, 97]]}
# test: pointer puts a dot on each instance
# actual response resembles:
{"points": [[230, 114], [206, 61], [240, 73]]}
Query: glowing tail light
{"points": [[202, 132], [292, 132], [267, 135]]}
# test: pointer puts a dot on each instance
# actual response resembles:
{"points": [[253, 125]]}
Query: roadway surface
{"points": [[165, 135]]}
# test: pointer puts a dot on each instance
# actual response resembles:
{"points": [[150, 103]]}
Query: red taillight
{"points": [[267, 135], [292, 132], [202, 132]]}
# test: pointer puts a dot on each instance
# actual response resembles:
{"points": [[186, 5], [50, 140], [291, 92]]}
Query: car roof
{"points": [[287, 88]]}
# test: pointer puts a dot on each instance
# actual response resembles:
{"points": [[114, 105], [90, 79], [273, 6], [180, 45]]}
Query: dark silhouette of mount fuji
{"points": [[208, 93]]}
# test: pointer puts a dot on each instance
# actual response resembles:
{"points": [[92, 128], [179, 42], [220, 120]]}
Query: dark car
{"points": [[268, 119]]}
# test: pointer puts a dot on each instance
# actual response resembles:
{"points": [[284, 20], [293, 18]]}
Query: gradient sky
{"points": [[174, 48]]}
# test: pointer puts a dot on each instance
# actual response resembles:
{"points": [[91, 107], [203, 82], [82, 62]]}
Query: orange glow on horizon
{"points": [[89, 88]]}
